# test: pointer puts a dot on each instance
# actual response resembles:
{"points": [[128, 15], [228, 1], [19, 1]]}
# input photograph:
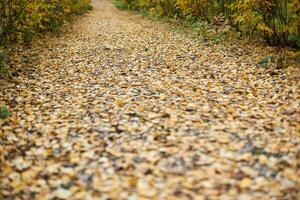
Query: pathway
{"points": [[121, 107]]}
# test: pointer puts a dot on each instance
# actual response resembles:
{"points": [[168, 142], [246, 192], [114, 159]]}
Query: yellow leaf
{"points": [[120, 102], [263, 27], [245, 183]]}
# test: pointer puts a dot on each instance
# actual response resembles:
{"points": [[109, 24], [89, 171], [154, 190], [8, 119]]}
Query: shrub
{"points": [[277, 21], [21, 19]]}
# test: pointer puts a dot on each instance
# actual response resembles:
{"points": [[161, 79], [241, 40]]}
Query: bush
{"points": [[22, 19], [277, 21]]}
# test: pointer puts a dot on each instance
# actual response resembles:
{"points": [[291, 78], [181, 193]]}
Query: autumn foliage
{"points": [[21, 19], [277, 21]]}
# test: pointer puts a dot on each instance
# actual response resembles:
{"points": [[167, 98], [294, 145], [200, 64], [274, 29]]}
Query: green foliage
{"points": [[20, 20], [265, 61], [295, 39], [275, 20], [88, 8], [121, 5], [279, 60], [4, 112]]}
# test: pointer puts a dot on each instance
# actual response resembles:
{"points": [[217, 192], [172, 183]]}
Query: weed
{"points": [[28, 35], [280, 60], [4, 112], [294, 39], [266, 60]]}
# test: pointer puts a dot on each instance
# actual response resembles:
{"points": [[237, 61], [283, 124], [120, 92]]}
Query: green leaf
{"points": [[265, 61], [294, 38], [4, 112]]}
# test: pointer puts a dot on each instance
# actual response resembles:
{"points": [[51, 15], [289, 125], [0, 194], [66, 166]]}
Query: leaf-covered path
{"points": [[121, 107]]}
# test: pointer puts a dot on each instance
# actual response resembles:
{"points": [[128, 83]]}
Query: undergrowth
{"points": [[204, 31], [3, 63], [214, 33], [21, 21], [276, 21]]}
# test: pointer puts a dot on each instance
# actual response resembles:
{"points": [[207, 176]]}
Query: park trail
{"points": [[118, 106]]}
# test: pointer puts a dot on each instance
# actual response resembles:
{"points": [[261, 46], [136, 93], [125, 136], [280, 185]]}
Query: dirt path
{"points": [[120, 107], [102, 5]]}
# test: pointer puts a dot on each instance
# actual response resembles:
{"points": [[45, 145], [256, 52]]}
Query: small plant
{"points": [[28, 35], [265, 61], [295, 39], [4, 112], [88, 7], [279, 60]]}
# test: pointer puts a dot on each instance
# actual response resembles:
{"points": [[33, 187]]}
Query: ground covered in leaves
{"points": [[120, 107]]}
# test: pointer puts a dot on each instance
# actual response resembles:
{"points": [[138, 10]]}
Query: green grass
{"points": [[120, 4]]}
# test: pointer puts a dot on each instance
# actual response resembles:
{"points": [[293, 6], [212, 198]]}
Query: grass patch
{"points": [[120, 4]]}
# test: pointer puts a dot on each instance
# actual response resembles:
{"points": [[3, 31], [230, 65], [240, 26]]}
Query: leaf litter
{"points": [[120, 107]]}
